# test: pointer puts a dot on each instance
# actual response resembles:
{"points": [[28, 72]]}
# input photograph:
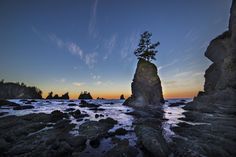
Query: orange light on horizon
{"points": [[114, 95]]}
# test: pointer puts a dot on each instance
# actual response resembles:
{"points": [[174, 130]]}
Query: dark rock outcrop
{"points": [[122, 97], [215, 108], [32, 135], [146, 86], [9, 90], [85, 95], [65, 96], [56, 96]]}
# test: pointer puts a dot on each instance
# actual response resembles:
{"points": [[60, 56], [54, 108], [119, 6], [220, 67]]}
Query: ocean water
{"points": [[112, 108]]}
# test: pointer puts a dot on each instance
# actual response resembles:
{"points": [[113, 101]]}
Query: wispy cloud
{"points": [[90, 59], [191, 35], [78, 84], [183, 74], [95, 77], [168, 65], [60, 43], [109, 45], [92, 22], [129, 46], [74, 49], [98, 83], [102, 83]]}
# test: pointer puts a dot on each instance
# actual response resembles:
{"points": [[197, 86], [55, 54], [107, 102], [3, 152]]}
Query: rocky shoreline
{"points": [[80, 128]]}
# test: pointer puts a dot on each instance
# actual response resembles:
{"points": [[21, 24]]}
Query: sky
{"points": [[87, 45]]}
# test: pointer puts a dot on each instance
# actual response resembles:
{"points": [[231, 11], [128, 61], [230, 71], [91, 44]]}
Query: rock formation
{"points": [[146, 99], [146, 86], [122, 97], [215, 108], [10, 90], [56, 96], [85, 95]]}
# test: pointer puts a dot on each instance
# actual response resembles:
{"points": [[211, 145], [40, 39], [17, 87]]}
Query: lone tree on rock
{"points": [[146, 49]]}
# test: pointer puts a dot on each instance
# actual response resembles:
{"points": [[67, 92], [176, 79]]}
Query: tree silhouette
{"points": [[146, 49]]}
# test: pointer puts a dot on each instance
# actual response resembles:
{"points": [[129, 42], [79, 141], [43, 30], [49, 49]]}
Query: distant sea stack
{"points": [[85, 95], [10, 90], [146, 86], [215, 108]]}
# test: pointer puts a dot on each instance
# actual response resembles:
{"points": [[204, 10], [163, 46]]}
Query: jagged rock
{"points": [[146, 86], [122, 97], [85, 95], [65, 96], [214, 108]]}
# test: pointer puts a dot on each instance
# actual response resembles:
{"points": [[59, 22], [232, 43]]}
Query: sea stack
{"points": [[215, 108], [146, 86]]}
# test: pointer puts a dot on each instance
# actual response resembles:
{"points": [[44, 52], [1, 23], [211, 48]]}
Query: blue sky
{"points": [[88, 45]]}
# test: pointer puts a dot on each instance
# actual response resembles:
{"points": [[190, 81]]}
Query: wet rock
{"points": [[83, 103], [97, 109], [94, 129], [120, 131], [96, 115], [108, 121], [176, 104], [72, 104], [3, 113], [77, 141], [3, 145], [60, 149], [122, 151], [69, 109], [152, 140], [8, 103], [57, 115], [77, 114], [95, 143], [23, 107]]}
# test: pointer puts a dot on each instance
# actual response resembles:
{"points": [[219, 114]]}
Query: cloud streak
{"points": [[92, 22], [78, 84], [109, 45], [74, 49], [129, 45]]}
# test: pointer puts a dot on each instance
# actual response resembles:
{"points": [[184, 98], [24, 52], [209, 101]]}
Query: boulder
{"points": [[57, 115], [152, 140]]}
